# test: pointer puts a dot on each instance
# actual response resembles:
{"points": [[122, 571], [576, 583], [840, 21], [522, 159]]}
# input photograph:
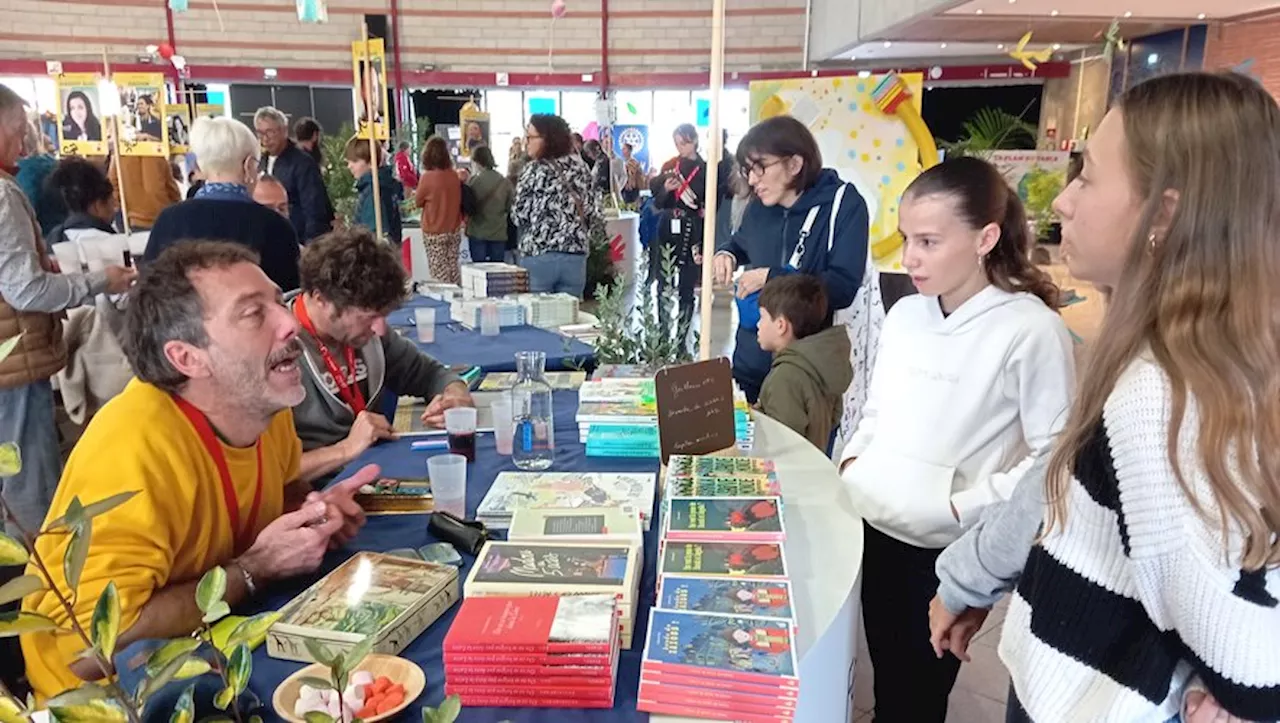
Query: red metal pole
{"points": [[402, 93], [604, 47]]}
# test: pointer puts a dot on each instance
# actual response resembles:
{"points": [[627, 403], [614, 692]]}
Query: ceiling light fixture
{"points": [[1000, 46], [979, 11], [864, 73], [943, 46], [1128, 13], [888, 43], [1057, 46], [1053, 13], [1200, 16]]}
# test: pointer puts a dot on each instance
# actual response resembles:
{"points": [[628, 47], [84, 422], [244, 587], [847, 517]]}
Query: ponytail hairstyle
{"points": [[982, 197]]}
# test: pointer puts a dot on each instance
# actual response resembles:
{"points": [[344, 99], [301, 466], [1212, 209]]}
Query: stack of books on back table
{"points": [[618, 417], [493, 278], [515, 490], [533, 652], [550, 569], [468, 312], [549, 311], [442, 292], [722, 635]]}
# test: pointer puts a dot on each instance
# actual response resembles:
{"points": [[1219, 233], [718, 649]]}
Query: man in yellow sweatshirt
{"points": [[205, 435]]}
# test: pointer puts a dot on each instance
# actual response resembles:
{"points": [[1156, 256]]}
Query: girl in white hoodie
{"points": [[971, 386]]}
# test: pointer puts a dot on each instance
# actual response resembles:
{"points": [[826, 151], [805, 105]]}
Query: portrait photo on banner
{"points": [[80, 129], [142, 121], [371, 87]]}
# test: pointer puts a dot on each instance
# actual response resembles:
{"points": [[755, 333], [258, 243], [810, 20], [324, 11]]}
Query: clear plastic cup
{"points": [[460, 423], [448, 475], [503, 424], [425, 319]]}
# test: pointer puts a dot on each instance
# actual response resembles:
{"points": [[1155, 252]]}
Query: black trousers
{"points": [[687, 276], [898, 581], [1013, 712]]}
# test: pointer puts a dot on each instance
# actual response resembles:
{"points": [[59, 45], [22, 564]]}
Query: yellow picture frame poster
{"points": [[143, 120], [475, 128], [81, 131], [178, 120], [375, 53]]}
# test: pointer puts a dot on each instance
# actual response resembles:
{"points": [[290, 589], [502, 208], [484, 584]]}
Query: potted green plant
{"points": [[636, 327]]}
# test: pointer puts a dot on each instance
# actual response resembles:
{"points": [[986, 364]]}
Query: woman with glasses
{"points": [[680, 192], [789, 227], [555, 209]]}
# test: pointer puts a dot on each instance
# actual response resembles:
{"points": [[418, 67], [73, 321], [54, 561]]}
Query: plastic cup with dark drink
{"points": [[460, 423]]}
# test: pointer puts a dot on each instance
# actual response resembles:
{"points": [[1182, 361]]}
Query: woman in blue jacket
{"points": [[788, 227]]}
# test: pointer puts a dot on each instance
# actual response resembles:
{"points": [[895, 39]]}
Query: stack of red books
{"points": [[534, 652]]}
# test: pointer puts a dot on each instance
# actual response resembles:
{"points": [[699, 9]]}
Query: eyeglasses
{"points": [[757, 168], [531, 136]]}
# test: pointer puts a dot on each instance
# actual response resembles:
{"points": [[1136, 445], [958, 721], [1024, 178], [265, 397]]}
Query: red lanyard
{"points": [[243, 536], [684, 185], [350, 393]]}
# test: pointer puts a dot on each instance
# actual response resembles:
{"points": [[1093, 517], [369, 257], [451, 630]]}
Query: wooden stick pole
{"points": [[114, 129], [713, 176], [371, 114]]}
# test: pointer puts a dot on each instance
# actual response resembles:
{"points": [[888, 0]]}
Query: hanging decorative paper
{"points": [[558, 9], [313, 11], [1112, 39], [1030, 58]]}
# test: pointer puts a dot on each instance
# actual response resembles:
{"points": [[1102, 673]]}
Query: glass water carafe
{"points": [[534, 447]]}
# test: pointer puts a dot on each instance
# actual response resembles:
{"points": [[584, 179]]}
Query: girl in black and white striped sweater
{"points": [[1155, 577]]}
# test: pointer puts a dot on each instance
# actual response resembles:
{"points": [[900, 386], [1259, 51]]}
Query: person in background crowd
{"points": [[681, 195], [79, 122], [487, 227], [464, 175], [635, 178], [1151, 585], [350, 282], [224, 208], [728, 168], [149, 124], [149, 188], [311, 212], [599, 165], [269, 192], [516, 160], [310, 137], [578, 146], [439, 195], [985, 319], [406, 171], [391, 193], [33, 169], [195, 181], [89, 198], [216, 357], [782, 163], [32, 297], [555, 209]]}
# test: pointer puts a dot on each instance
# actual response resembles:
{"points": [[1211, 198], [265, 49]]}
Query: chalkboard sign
{"points": [[695, 408]]}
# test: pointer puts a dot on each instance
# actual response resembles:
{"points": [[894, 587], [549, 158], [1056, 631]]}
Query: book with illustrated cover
{"points": [[517, 490], [582, 524], [548, 568], [619, 412], [723, 487], [391, 598], [736, 648], [574, 624], [408, 420], [736, 596], [732, 702], [618, 390], [712, 519], [721, 559], [716, 467], [621, 371], [500, 381]]}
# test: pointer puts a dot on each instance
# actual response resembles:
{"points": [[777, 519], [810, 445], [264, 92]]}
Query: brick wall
{"points": [[455, 35], [1230, 44]]}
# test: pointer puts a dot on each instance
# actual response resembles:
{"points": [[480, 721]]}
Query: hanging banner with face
{"points": [[142, 121], [80, 130], [375, 55], [178, 120], [635, 136], [475, 129]]}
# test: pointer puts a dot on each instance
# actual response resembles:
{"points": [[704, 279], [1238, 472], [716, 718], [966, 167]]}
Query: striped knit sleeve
{"points": [[1186, 573]]}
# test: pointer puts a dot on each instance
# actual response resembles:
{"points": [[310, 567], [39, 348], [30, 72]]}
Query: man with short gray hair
{"points": [[33, 297], [310, 211]]}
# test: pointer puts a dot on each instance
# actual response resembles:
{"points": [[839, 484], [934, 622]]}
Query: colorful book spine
{"points": [[728, 519]]}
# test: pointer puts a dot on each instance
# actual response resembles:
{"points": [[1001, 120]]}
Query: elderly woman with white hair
{"points": [[224, 209]]}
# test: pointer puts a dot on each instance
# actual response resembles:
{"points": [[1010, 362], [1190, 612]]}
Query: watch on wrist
{"points": [[249, 584]]}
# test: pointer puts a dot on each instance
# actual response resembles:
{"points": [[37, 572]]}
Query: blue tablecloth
{"points": [[456, 345], [386, 533]]}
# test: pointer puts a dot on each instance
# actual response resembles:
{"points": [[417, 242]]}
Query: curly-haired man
{"points": [[350, 282]]}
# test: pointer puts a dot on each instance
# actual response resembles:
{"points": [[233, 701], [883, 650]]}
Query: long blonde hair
{"points": [[1200, 296]]}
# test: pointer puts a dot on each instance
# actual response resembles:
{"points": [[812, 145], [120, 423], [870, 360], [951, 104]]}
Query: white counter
{"points": [[824, 557]]}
